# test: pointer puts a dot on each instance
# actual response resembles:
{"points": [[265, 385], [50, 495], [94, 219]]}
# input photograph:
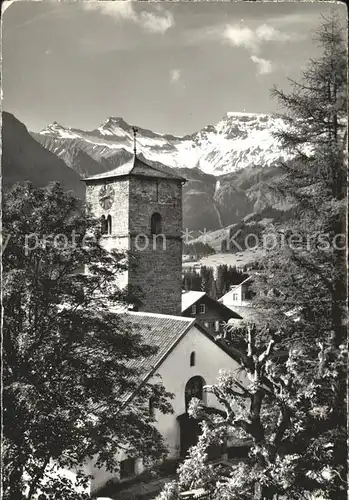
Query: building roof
{"points": [[157, 330], [247, 315], [190, 298], [164, 332], [136, 167]]}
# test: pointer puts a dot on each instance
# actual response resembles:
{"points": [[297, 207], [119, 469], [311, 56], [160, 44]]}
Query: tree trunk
{"points": [[15, 484]]}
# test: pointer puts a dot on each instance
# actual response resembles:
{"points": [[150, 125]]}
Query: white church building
{"points": [[139, 202], [188, 358]]}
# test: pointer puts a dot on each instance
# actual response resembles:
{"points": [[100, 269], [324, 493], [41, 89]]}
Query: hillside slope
{"points": [[24, 159]]}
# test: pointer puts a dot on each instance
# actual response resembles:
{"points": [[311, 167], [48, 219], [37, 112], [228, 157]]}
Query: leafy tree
{"points": [[204, 279], [221, 279], [192, 279], [207, 279], [281, 408], [228, 276], [296, 414], [67, 358], [213, 290], [186, 281]]}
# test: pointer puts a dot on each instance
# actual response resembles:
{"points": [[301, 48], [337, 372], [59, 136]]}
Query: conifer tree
{"points": [[307, 261], [296, 412]]}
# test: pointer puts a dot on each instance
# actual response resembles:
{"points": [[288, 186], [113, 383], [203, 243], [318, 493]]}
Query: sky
{"points": [[171, 67]]}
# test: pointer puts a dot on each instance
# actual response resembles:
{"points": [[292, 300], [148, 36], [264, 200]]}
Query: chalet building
{"points": [[208, 312], [239, 299], [140, 209], [239, 295]]}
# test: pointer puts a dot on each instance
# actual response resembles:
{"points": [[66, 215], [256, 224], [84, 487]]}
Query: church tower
{"points": [[140, 208]]}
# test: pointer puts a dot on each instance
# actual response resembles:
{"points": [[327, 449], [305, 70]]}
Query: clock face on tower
{"points": [[106, 196], [167, 192]]}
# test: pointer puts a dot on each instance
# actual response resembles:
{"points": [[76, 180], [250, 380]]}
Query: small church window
{"points": [[202, 309], [155, 223], [193, 309], [109, 224], [104, 225], [192, 359]]}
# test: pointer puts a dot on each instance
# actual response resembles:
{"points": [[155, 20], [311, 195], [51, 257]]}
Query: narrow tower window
{"points": [[104, 225], [109, 226], [192, 359], [151, 407], [155, 224]]}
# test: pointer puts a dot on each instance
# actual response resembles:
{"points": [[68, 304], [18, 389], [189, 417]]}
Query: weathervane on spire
{"points": [[135, 130]]}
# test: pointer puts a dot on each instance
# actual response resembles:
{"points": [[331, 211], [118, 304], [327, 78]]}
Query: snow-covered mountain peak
{"points": [[239, 114], [52, 127], [57, 130], [114, 121], [114, 126], [238, 140]]}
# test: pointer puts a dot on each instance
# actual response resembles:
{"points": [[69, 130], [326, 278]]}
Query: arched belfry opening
{"points": [[156, 223], [192, 359]]}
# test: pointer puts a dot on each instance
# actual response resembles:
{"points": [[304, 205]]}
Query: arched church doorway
{"points": [[194, 389], [189, 427]]}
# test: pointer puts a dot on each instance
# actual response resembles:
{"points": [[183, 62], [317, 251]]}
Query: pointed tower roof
{"points": [[135, 167]]}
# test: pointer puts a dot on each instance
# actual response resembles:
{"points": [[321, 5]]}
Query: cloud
{"points": [[264, 65], [175, 75], [266, 33], [240, 36], [158, 21], [156, 24], [252, 39]]}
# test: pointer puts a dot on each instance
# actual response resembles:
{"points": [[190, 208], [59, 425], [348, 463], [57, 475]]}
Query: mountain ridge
{"points": [[236, 141], [210, 202]]}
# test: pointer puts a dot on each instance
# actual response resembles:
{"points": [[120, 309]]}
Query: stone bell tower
{"points": [[140, 208]]}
